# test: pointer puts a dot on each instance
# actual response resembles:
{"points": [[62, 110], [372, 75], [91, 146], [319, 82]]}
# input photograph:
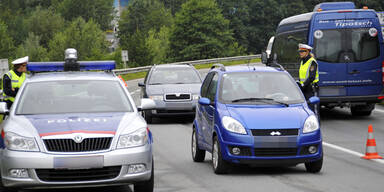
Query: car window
{"points": [[73, 97], [175, 75], [270, 85], [205, 85], [212, 87]]}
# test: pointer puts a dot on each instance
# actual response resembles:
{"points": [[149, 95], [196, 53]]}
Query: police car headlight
{"points": [[233, 125], [156, 97], [135, 139], [311, 124], [16, 142]]}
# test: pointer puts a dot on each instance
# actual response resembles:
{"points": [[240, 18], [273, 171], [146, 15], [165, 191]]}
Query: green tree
{"points": [[173, 5], [158, 44], [33, 49], [100, 11], [86, 37], [46, 23], [6, 42], [139, 52], [200, 32]]}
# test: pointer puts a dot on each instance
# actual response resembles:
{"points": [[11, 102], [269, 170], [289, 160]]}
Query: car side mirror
{"points": [[264, 57], [141, 84], [204, 101], [3, 108], [314, 100], [147, 104]]}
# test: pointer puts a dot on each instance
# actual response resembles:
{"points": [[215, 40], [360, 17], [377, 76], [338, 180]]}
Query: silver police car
{"points": [[75, 129]]}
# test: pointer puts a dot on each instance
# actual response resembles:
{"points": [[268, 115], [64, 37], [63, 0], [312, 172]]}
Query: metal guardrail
{"points": [[196, 62]]}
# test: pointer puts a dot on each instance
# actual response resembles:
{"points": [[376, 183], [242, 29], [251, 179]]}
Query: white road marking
{"points": [[135, 91], [379, 110], [350, 151]]}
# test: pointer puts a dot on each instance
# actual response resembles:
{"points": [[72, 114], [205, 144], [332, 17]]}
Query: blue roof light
{"points": [[59, 66]]}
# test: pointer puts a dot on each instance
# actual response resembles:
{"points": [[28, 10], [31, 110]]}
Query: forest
{"points": [[153, 31]]}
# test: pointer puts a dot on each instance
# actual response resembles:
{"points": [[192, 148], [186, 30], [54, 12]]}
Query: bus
{"points": [[348, 47]]}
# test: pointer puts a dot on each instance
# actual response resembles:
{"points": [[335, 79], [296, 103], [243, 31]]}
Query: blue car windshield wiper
{"points": [[259, 99], [156, 83]]}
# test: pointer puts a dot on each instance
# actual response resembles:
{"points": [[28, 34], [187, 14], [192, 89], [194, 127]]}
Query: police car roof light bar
{"points": [[59, 66]]}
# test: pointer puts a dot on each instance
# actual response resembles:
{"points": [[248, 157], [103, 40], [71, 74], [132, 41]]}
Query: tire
{"points": [[198, 155], [219, 165], [315, 166], [145, 186], [362, 110], [148, 116]]}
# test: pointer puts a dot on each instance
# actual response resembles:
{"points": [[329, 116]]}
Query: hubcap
{"points": [[194, 144], [215, 155]]}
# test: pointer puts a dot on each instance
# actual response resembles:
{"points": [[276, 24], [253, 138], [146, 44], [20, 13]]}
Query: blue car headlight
{"points": [[16, 142], [134, 139], [311, 124], [233, 125]]}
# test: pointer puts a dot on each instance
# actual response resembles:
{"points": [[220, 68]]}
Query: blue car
{"points": [[255, 115]]}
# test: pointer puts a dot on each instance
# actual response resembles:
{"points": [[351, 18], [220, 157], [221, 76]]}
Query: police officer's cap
{"points": [[21, 60], [304, 46]]}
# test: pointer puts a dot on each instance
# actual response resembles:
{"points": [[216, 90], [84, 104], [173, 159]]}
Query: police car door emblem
{"points": [[78, 139], [273, 133]]}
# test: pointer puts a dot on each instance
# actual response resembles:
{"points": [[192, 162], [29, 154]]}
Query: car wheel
{"points": [[145, 186], [198, 155], [147, 116], [315, 166], [362, 110], [219, 165]]}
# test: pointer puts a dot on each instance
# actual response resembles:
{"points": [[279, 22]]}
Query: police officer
{"points": [[13, 80], [308, 74]]}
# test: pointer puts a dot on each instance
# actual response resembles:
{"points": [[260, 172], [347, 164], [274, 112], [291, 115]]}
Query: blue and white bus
{"points": [[348, 46]]}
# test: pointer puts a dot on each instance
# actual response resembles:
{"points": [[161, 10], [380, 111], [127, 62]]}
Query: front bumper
{"points": [[170, 108], [33, 161]]}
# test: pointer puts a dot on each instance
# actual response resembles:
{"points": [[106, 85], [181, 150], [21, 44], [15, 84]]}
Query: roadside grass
{"points": [[138, 75]]}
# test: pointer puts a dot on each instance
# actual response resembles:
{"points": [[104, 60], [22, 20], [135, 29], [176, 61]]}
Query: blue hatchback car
{"points": [[255, 115]]}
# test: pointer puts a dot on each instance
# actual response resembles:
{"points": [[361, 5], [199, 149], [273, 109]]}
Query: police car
{"points": [[75, 129]]}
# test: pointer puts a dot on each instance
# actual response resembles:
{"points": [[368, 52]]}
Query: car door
{"points": [[209, 111]]}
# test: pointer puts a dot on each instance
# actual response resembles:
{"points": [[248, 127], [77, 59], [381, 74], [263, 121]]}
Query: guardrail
{"points": [[196, 62]]}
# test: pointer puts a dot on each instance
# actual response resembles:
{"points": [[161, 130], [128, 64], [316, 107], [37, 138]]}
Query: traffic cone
{"points": [[371, 151]]}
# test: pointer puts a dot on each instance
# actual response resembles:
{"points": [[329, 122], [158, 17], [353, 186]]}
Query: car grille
{"points": [[69, 145], [267, 132], [177, 97], [269, 152], [67, 175]]}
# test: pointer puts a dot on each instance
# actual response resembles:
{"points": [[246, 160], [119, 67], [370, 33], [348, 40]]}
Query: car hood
{"points": [[269, 117], [61, 124], [173, 88]]}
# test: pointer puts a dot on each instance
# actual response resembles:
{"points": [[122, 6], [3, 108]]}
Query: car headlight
{"points": [[233, 125], [195, 97], [156, 97], [16, 142], [311, 124], [135, 139]]}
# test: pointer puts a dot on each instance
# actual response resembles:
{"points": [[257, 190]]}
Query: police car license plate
{"points": [[84, 162]]}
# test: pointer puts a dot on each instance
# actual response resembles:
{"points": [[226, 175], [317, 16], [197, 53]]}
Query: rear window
{"points": [[346, 45], [78, 96]]}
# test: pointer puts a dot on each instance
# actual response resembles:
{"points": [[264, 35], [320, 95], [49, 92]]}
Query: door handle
{"points": [[354, 72]]}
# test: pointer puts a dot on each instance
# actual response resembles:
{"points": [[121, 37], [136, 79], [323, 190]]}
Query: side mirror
{"points": [[204, 101], [141, 84], [3, 108], [264, 57], [314, 100], [147, 104]]}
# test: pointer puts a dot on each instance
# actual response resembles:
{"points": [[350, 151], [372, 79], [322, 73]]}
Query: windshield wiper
{"points": [[259, 99], [156, 83]]}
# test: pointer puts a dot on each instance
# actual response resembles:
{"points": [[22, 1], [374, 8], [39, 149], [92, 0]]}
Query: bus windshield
{"points": [[346, 45]]}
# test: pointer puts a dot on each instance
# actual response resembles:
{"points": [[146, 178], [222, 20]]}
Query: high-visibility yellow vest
{"points": [[16, 82], [304, 71]]}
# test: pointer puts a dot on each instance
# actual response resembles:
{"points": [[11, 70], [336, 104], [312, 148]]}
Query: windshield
{"points": [[73, 97], [177, 75], [259, 88], [346, 45]]}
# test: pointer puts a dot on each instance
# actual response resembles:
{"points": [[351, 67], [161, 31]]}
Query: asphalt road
{"points": [[343, 169]]}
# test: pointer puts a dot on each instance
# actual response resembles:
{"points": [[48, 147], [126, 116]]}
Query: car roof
{"points": [[53, 76], [248, 68], [173, 66]]}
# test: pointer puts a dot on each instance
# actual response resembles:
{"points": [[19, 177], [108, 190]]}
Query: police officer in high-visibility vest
{"points": [[13, 80], [308, 74]]}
